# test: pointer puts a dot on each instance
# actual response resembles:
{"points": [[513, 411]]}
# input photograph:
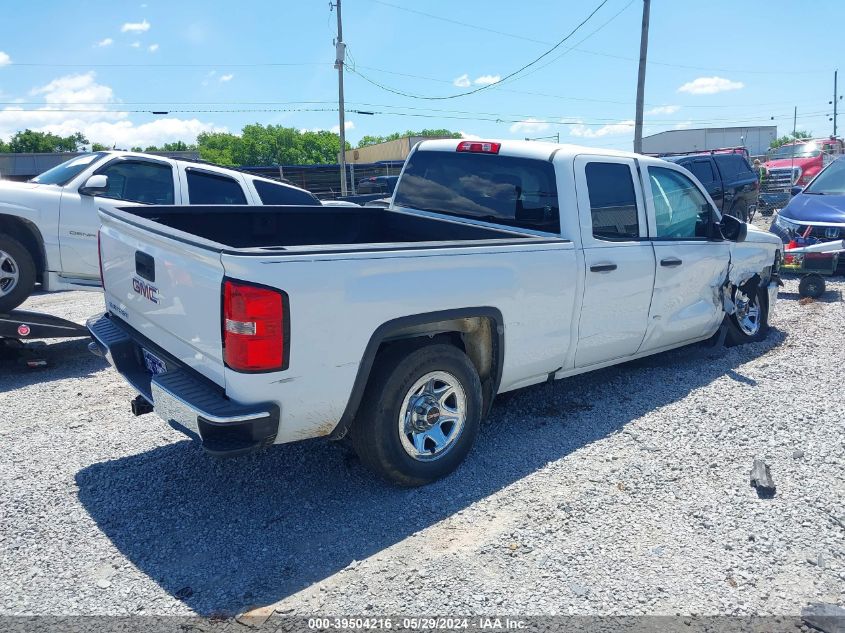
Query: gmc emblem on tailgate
{"points": [[148, 291]]}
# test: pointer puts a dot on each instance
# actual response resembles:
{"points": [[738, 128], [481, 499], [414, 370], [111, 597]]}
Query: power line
{"points": [[592, 52], [165, 66], [584, 99], [495, 83], [444, 114]]}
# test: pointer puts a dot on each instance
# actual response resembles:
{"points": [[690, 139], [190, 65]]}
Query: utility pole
{"points": [[638, 124], [340, 57], [835, 99]]}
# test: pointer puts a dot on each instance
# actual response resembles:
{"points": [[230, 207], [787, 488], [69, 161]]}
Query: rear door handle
{"points": [[602, 268], [669, 262]]}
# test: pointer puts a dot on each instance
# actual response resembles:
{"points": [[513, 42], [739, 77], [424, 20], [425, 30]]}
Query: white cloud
{"points": [[79, 88], [462, 81], [682, 125], [486, 80], [96, 122], [152, 48], [611, 129], [530, 126], [225, 78], [666, 109], [5, 59], [347, 125], [135, 45], [469, 137], [135, 27], [103, 43], [710, 85]]}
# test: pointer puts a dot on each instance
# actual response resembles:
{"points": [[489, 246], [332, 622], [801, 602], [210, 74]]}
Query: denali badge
{"points": [[148, 291]]}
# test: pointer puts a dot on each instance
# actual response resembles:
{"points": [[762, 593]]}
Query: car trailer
{"points": [[810, 263], [18, 326]]}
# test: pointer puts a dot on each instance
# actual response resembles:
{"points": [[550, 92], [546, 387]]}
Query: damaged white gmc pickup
{"points": [[497, 265]]}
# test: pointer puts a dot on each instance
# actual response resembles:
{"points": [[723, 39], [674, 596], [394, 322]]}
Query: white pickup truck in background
{"points": [[498, 265], [48, 226]]}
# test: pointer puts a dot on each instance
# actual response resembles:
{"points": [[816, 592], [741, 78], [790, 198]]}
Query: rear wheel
{"points": [[17, 273], [420, 414], [750, 321]]}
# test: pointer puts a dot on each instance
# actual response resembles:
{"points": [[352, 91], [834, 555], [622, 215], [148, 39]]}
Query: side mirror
{"points": [[796, 190], [733, 229], [95, 186]]}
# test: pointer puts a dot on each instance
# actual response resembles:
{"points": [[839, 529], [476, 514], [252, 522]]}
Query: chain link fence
{"points": [[324, 180]]}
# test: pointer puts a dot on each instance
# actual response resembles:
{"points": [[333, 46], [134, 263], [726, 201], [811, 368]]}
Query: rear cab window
{"points": [[205, 187], [613, 201], [507, 190]]}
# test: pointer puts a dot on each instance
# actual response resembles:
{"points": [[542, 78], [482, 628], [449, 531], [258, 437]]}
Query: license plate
{"points": [[153, 363]]}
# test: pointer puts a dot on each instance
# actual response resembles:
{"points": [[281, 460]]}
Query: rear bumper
{"points": [[182, 397]]}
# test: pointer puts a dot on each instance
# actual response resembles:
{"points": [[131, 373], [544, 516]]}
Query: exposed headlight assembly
{"points": [[785, 224]]}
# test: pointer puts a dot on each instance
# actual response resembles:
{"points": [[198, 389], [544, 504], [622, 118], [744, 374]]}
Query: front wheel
{"points": [[17, 273], [750, 321], [420, 414]]}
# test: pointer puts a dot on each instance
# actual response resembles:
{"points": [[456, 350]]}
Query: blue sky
{"points": [[713, 63]]}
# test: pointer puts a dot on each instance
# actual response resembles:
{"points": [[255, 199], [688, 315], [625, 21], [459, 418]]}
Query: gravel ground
{"points": [[624, 491]]}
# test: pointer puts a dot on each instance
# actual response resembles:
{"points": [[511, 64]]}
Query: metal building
{"points": [[756, 138]]}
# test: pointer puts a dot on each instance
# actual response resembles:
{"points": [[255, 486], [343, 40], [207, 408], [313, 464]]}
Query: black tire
{"points": [[812, 286], [737, 334], [375, 432], [15, 258]]}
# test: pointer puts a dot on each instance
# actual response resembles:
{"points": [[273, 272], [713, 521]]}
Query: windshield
{"points": [[64, 173], [831, 181], [801, 150]]}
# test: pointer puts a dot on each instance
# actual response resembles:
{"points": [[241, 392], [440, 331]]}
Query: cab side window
{"points": [[681, 210], [207, 188], [613, 203], [702, 169], [139, 181]]}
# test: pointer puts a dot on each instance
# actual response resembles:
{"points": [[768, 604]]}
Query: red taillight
{"points": [[254, 327], [479, 147], [100, 256]]}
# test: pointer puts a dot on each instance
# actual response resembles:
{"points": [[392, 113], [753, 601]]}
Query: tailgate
{"points": [[166, 288]]}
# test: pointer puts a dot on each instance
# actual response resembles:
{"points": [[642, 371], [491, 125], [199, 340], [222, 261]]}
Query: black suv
{"points": [[729, 179]]}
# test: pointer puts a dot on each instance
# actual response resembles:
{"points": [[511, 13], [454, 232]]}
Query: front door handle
{"points": [[602, 268], [670, 262]]}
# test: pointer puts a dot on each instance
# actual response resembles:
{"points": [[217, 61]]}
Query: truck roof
{"points": [[540, 150], [201, 163]]}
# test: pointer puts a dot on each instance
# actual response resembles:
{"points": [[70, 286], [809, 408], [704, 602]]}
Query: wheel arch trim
{"points": [[412, 326]]}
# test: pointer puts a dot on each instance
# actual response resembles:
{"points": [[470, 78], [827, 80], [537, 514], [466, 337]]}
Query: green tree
{"points": [[789, 138], [30, 141], [373, 140], [270, 145], [99, 147]]}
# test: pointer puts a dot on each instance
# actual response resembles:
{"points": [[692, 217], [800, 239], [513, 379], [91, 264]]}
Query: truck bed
{"points": [[280, 227]]}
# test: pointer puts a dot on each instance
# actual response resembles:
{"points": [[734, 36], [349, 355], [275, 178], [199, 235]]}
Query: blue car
{"points": [[819, 207]]}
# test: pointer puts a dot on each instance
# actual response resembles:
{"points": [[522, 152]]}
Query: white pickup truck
{"points": [[48, 226], [498, 265]]}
